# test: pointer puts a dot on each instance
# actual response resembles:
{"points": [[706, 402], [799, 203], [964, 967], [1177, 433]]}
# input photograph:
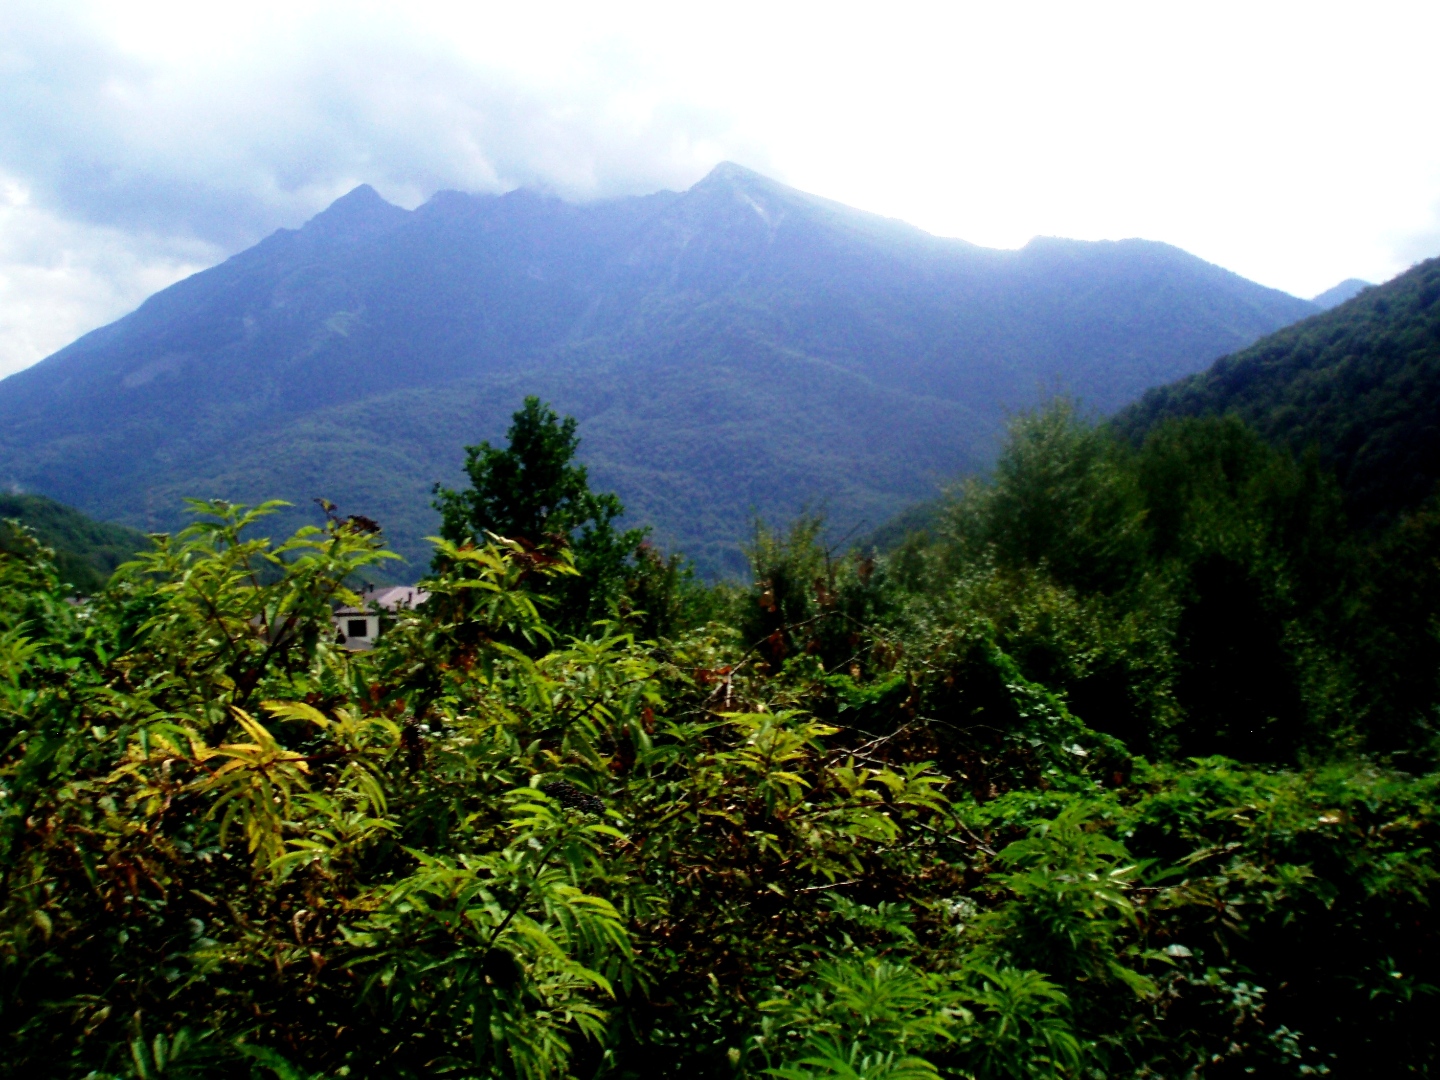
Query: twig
{"points": [[832, 885]]}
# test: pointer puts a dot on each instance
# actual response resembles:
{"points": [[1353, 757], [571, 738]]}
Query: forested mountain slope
{"points": [[738, 347], [86, 552], [1360, 383]]}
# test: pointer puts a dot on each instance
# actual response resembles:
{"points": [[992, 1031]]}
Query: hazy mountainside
{"points": [[1338, 294], [86, 552], [740, 347], [1360, 383]]}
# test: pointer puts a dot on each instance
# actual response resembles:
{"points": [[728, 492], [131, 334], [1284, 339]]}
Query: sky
{"points": [[1295, 144]]}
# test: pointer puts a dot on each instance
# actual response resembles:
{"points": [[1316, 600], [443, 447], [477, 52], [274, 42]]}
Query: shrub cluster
{"points": [[958, 810]]}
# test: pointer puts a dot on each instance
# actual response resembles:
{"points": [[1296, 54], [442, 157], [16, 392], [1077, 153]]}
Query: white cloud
{"points": [[1289, 142], [61, 278]]}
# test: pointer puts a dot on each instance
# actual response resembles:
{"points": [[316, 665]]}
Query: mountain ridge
{"points": [[1359, 384], [744, 320], [1338, 294]]}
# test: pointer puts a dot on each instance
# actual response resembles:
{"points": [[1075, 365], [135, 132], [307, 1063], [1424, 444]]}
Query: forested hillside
{"points": [[86, 552], [1125, 768], [1359, 384], [739, 347]]}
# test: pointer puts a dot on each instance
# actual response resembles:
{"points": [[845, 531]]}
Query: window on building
{"points": [[356, 628]]}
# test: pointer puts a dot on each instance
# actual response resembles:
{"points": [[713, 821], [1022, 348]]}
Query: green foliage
{"points": [[1062, 497], [883, 818], [662, 598], [806, 600], [1202, 594], [532, 492]]}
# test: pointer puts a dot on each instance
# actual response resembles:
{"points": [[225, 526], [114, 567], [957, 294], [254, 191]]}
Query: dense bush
{"points": [[1201, 594], [936, 814]]}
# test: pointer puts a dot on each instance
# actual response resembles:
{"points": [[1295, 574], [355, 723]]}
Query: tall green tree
{"points": [[535, 493]]}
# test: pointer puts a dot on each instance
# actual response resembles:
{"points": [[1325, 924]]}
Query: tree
{"points": [[533, 492]]}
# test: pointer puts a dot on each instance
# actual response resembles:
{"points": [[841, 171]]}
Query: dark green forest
{"points": [[1123, 766], [1359, 385], [86, 552]]}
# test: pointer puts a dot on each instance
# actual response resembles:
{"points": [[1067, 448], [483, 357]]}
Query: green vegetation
{"points": [[960, 810], [86, 552], [1359, 384], [534, 493]]}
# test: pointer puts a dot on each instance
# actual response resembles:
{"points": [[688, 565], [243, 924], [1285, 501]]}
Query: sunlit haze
{"points": [[1292, 143]]}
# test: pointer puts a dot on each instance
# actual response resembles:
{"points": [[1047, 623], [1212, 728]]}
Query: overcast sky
{"points": [[1297, 144]]}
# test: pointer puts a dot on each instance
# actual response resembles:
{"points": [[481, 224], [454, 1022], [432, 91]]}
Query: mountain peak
{"points": [[708, 340], [358, 214], [729, 170], [729, 175], [1338, 294], [360, 195]]}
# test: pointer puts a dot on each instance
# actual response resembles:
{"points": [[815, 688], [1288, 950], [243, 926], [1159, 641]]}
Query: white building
{"points": [[356, 628]]}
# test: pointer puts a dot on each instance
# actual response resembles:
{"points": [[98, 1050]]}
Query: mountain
{"points": [[736, 348], [86, 552], [1338, 294], [1359, 383]]}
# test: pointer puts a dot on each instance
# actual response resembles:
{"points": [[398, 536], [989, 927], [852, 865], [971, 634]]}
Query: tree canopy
{"points": [[534, 492]]}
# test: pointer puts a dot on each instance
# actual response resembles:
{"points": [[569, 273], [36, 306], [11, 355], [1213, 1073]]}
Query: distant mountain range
{"points": [[1359, 383], [737, 348], [1338, 294]]}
